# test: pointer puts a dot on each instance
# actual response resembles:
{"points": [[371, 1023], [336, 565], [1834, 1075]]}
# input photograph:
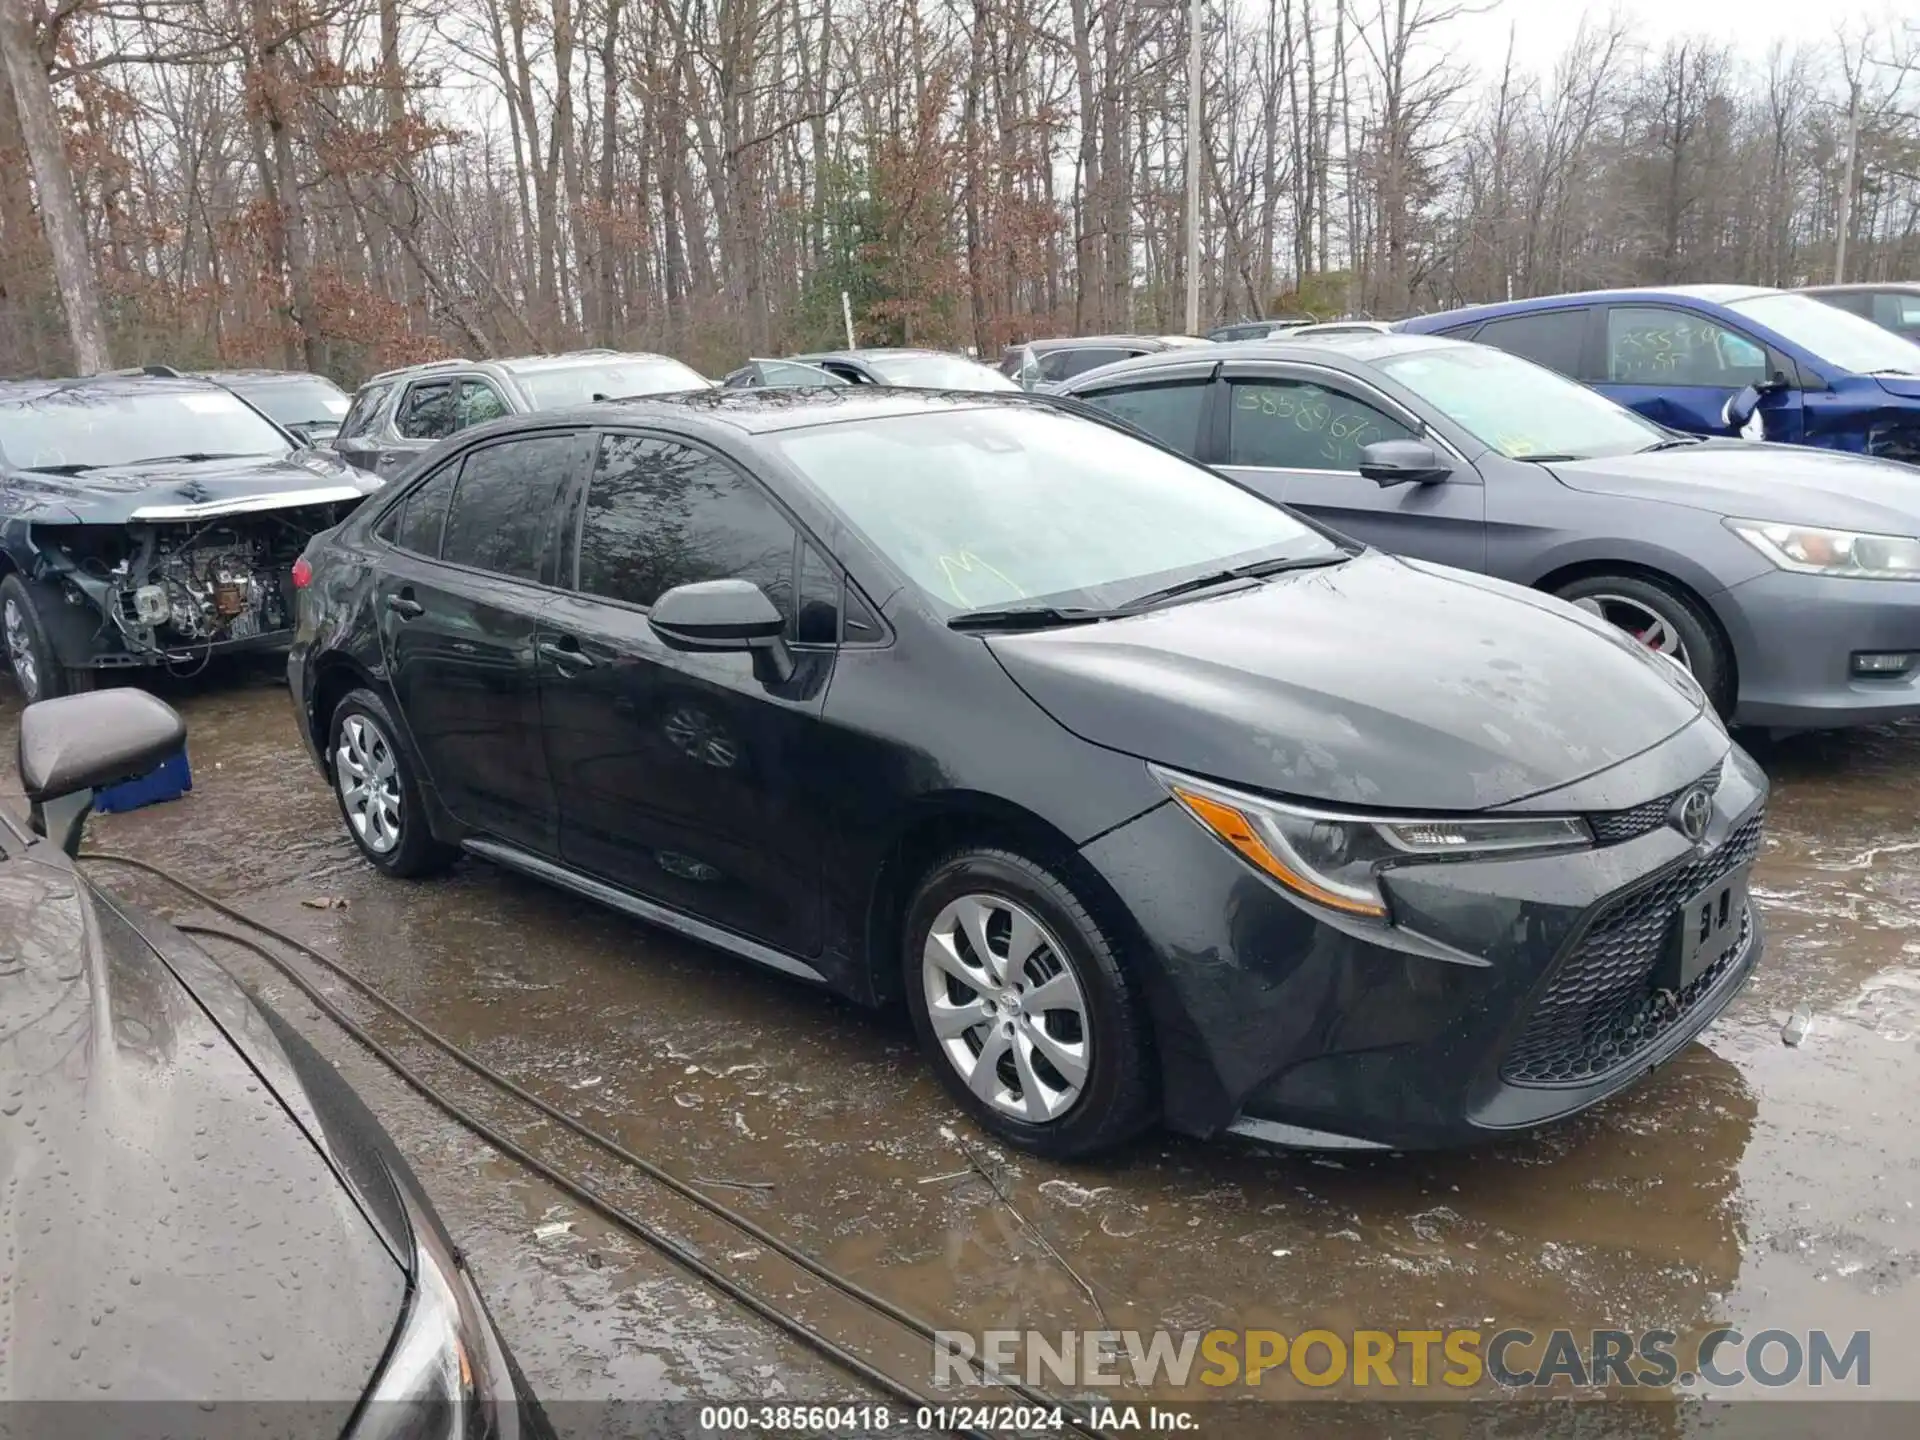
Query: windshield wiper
{"points": [[1025, 617], [1677, 442], [59, 469], [1897, 372], [1253, 571]]}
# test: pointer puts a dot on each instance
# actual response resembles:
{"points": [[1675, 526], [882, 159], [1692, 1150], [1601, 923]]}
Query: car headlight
{"points": [[1335, 860], [445, 1377], [1810, 550]]}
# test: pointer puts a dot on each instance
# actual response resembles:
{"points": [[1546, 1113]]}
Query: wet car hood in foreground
{"points": [[112, 495], [1379, 682], [1796, 484], [168, 1228]]}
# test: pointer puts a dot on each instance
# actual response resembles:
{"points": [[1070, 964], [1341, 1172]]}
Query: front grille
{"points": [[1613, 827], [1600, 1009]]}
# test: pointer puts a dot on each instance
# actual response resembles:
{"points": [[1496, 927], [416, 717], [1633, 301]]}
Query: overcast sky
{"points": [[1542, 28]]}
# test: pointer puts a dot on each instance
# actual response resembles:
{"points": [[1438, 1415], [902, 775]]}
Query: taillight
{"points": [[302, 573]]}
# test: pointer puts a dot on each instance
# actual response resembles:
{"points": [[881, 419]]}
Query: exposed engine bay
{"points": [[170, 591]]}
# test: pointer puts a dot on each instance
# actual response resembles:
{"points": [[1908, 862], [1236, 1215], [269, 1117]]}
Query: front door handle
{"points": [[566, 656], [406, 607]]}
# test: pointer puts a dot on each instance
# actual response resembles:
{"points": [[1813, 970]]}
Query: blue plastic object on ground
{"points": [[173, 779]]}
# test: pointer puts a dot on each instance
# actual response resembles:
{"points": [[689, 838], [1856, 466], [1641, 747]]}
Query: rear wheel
{"points": [[1663, 618], [1024, 1007], [379, 798], [30, 656]]}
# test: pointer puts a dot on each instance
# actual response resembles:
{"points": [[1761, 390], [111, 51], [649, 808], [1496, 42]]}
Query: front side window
{"points": [[660, 513], [1648, 345], [1897, 311], [1297, 425], [993, 506], [427, 412], [84, 427], [1524, 411], [1170, 412], [366, 410], [502, 505], [1554, 338], [479, 402]]}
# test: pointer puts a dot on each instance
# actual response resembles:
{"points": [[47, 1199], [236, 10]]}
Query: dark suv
{"points": [[399, 414]]}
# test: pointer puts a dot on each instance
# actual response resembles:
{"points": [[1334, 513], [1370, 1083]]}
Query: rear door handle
{"points": [[566, 656], [405, 607]]}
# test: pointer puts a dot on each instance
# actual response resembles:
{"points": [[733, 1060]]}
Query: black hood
{"points": [[1793, 484], [170, 1229], [1379, 682], [113, 495]]}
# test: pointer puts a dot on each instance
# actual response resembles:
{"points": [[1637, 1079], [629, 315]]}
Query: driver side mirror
{"points": [[78, 744], [1741, 407], [1403, 462], [725, 615]]}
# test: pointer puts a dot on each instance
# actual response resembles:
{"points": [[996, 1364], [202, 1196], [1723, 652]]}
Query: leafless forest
{"points": [[345, 184]]}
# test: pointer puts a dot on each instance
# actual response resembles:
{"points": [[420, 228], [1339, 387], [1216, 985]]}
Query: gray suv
{"points": [[400, 414]]}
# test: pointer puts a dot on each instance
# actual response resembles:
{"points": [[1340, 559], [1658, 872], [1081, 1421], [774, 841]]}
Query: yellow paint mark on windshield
{"points": [[954, 567]]}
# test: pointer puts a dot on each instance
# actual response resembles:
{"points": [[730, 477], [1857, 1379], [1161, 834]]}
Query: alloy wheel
{"points": [[20, 650], [1641, 621], [1006, 1008], [368, 775]]}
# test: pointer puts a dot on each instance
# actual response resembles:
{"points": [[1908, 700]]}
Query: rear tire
{"points": [[1663, 617], [1044, 1039], [374, 785], [30, 655]]}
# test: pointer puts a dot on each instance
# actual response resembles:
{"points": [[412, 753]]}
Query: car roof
{"points": [[113, 382], [1710, 294], [763, 410], [261, 377], [869, 351], [1903, 287], [1069, 342], [1358, 349], [515, 364]]}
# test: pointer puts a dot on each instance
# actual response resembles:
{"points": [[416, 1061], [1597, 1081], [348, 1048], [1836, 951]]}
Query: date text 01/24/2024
{"points": [[932, 1419]]}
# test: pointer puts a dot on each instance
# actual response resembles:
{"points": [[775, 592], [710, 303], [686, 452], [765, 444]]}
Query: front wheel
{"points": [[1024, 1006], [36, 669], [379, 799], [1661, 618]]}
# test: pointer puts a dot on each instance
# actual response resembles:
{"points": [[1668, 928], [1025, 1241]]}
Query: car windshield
{"points": [[308, 400], [565, 386], [1020, 506], [1849, 341], [794, 373], [937, 372], [1521, 409], [86, 427]]}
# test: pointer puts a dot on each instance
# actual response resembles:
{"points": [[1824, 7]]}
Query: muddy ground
{"points": [[1749, 1183]]}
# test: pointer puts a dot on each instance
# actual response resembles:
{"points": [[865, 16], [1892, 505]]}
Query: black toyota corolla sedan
{"points": [[1149, 797], [196, 1213]]}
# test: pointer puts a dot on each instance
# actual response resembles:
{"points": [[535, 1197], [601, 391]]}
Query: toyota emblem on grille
{"points": [[1691, 813]]}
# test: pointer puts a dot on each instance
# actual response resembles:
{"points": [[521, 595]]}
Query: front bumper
{"points": [[1509, 993], [1794, 638]]}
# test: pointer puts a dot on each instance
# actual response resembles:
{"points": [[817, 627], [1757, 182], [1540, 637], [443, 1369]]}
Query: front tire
{"points": [[1662, 617], [36, 669], [1024, 1007], [374, 784]]}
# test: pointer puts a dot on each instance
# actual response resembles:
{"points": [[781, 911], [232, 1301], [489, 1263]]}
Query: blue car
{"points": [[1719, 360]]}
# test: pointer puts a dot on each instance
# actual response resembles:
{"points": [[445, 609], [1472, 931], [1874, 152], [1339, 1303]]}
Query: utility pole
{"points": [[1194, 15], [1846, 185]]}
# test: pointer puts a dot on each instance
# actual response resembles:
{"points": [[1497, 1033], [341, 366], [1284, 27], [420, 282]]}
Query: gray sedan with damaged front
{"points": [[1784, 578]]}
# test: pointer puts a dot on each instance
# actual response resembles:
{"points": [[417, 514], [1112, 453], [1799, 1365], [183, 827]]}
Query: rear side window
{"points": [[1169, 413], [423, 514], [1898, 312], [1296, 425], [366, 409], [427, 411], [1647, 345], [660, 514], [479, 402], [502, 506], [1065, 364], [1554, 338]]}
